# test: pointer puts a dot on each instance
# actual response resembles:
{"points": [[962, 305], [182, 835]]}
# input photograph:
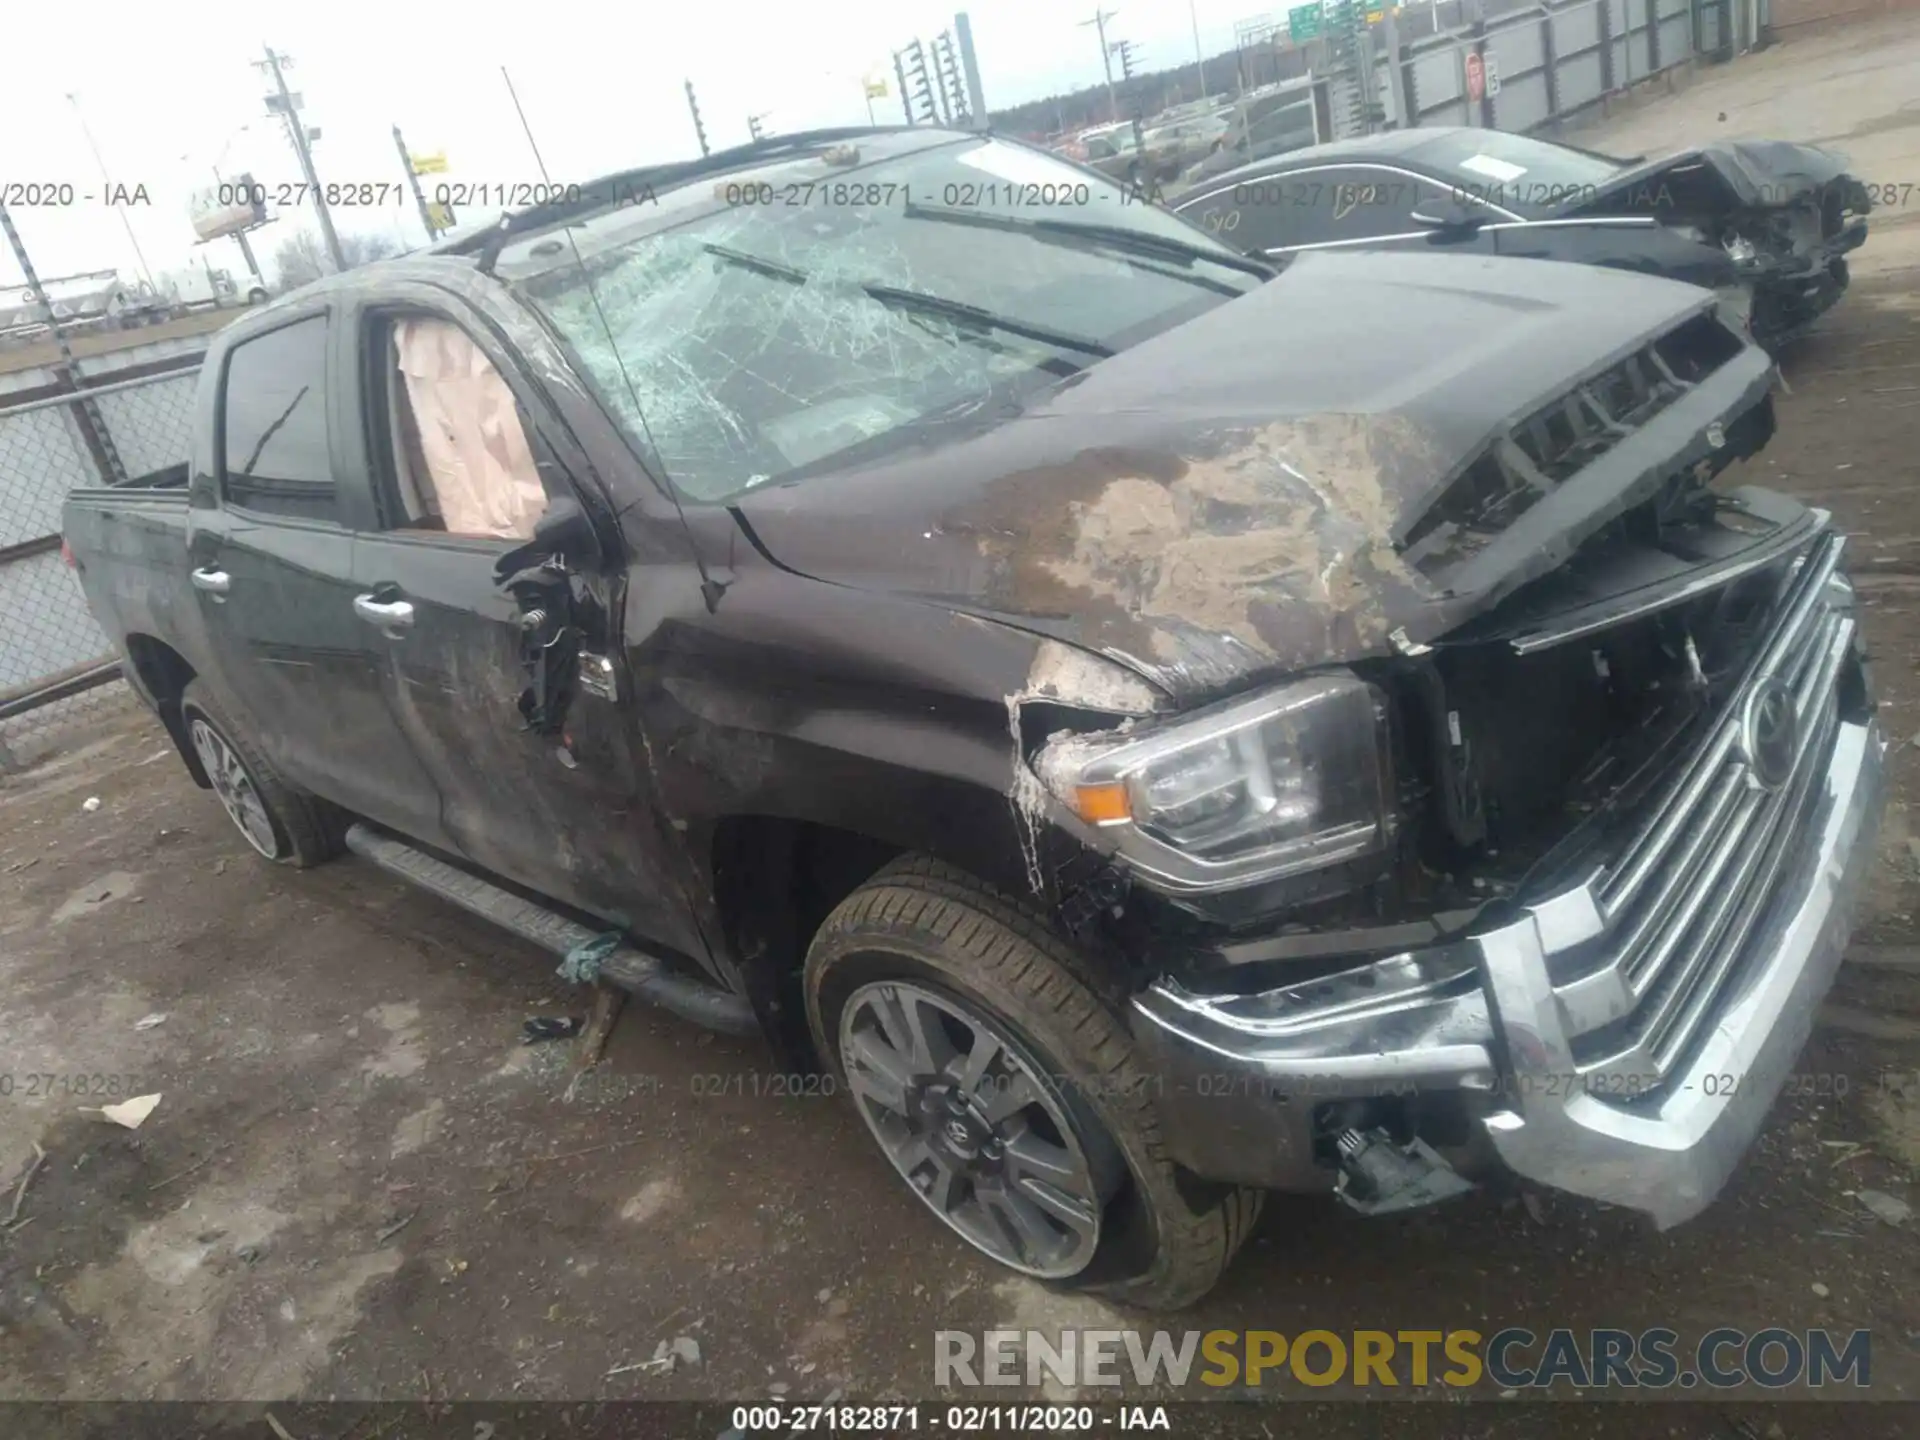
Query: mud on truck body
{"points": [[1154, 728]]}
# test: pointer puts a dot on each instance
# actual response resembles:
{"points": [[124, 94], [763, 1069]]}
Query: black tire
{"points": [[1165, 1238], [305, 830]]}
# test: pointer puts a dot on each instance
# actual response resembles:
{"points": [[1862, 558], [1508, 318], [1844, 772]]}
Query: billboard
{"points": [[227, 208]]}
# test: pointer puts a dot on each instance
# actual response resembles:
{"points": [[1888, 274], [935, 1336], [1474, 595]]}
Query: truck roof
{"points": [[619, 188]]}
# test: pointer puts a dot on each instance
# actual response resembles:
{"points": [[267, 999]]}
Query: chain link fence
{"points": [[57, 668]]}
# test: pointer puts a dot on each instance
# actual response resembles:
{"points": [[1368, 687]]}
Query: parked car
{"points": [[1119, 154], [1267, 122], [1768, 222], [1192, 139], [1150, 729]]}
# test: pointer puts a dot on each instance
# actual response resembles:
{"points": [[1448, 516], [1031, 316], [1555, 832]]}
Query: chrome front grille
{"points": [[1640, 954]]}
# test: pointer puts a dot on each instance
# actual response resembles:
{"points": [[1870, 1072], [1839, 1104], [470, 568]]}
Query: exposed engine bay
{"points": [[1529, 739]]}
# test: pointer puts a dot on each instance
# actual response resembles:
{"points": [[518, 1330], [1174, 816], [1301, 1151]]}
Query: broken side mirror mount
{"points": [[549, 644], [564, 532]]}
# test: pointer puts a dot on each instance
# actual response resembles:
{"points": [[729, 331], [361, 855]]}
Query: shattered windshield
{"points": [[808, 312]]}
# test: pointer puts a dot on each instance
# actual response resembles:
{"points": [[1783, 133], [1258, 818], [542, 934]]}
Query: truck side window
{"points": [[275, 457], [461, 459]]}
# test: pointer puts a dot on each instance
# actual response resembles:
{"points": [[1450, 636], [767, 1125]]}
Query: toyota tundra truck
{"points": [[1150, 726]]}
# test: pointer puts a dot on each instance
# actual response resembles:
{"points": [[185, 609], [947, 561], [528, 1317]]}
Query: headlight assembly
{"points": [[1285, 781]]}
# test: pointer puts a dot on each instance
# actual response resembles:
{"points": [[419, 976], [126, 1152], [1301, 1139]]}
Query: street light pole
{"points": [[119, 210]]}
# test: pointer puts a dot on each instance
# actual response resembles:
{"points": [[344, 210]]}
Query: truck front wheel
{"points": [[1005, 1091], [279, 820]]}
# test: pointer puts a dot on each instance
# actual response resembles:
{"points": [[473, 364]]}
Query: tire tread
{"points": [[1021, 963]]}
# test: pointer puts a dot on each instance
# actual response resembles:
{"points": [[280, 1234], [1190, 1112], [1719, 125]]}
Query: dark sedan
{"points": [[1767, 223]]}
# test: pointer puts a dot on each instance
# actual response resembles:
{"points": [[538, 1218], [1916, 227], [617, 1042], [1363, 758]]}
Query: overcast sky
{"points": [[170, 95]]}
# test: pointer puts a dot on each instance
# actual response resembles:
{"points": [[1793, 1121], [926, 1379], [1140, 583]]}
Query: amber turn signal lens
{"points": [[1102, 804]]}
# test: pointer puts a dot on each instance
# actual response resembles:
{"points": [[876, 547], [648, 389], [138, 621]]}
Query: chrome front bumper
{"points": [[1670, 1154], [1623, 1039]]}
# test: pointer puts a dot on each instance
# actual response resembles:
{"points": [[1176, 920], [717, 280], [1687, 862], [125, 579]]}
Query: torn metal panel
{"points": [[1062, 675], [1752, 172], [1786, 215]]}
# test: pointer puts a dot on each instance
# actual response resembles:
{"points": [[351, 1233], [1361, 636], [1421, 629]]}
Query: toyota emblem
{"points": [[1770, 734]]}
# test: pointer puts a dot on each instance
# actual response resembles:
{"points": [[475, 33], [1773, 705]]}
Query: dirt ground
{"points": [[358, 1183]]}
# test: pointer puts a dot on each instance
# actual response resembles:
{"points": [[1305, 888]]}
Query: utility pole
{"points": [[754, 128], [1199, 55], [699, 130], [1099, 23], [413, 181], [287, 107], [120, 210]]}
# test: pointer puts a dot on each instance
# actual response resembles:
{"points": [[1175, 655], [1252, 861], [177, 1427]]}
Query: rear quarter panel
{"points": [[130, 554]]}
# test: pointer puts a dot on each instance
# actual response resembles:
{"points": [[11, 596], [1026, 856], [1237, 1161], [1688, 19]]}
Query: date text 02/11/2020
{"points": [[969, 194]]}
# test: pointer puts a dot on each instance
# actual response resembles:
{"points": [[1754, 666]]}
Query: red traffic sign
{"points": [[1476, 77]]}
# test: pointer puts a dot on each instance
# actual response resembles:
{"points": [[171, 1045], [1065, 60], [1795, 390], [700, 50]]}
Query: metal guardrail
{"points": [[56, 665]]}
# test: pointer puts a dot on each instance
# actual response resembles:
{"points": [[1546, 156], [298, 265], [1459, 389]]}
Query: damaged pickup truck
{"points": [[1154, 728]]}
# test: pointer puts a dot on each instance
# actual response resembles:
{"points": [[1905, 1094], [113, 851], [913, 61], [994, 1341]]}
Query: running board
{"points": [[629, 967]]}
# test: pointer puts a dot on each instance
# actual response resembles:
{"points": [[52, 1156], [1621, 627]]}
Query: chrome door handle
{"points": [[390, 615], [215, 582]]}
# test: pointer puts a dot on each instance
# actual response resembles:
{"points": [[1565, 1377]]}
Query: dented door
{"points": [[552, 800]]}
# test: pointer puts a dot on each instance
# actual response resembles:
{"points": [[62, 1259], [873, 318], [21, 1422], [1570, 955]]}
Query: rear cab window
{"points": [[275, 458]]}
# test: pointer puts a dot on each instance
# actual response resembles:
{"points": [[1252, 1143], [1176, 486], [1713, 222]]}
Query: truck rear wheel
{"points": [[281, 821], [1005, 1090]]}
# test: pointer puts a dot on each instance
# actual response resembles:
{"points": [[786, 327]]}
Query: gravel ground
{"points": [[359, 1185]]}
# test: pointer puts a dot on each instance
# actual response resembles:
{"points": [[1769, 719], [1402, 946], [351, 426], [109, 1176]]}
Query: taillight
{"points": [[66, 554]]}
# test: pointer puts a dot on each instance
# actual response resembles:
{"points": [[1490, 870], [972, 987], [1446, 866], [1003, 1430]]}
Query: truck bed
{"points": [[128, 547]]}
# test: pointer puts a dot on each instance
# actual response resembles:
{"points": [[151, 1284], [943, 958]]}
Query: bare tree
{"points": [[301, 256]]}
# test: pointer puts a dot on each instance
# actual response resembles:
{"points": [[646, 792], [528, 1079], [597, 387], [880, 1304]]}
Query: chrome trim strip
{"points": [[1187, 202], [1695, 582]]}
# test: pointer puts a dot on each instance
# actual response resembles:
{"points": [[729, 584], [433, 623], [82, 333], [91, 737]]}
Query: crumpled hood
{"points": [[1757, 172], [1224, 499]]}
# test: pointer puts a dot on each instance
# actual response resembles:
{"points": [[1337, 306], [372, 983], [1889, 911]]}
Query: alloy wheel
{"points": [[979, 1131], [238, 795]]}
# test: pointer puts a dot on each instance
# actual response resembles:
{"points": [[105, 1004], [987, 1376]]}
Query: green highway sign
{"points": [[1304, 21]]}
